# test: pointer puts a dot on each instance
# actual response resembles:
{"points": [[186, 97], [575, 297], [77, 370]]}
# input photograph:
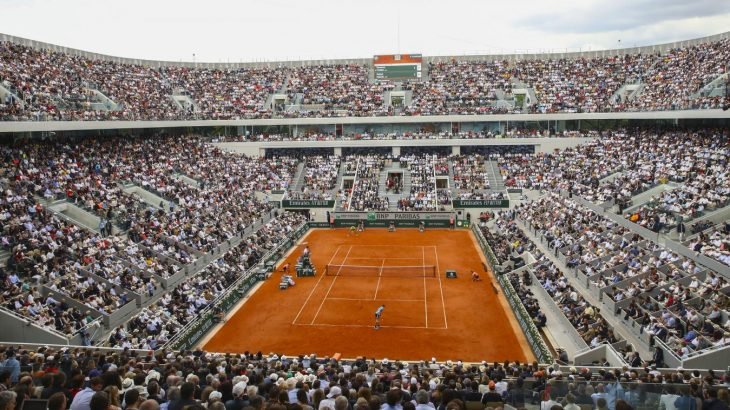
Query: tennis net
{"points": [[416, 271]]}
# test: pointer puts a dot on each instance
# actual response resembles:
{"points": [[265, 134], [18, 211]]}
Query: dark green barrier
{"points": [[384, 223], [319, 225], [307, 203], [481, 203], [542, 354]]}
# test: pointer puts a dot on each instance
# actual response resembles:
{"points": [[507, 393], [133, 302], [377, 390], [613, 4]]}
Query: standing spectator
{"points": [[712, 402], [57, 401], [686, 401], [681, 229], [187, 397], [12, 365], [82, 399]]}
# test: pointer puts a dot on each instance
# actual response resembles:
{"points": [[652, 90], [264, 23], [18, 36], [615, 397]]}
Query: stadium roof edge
{"points": [[45, 126], [293, 63]]}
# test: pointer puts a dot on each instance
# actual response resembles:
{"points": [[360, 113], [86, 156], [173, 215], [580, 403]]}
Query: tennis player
{"points": [[378, 314], [353, 230]]}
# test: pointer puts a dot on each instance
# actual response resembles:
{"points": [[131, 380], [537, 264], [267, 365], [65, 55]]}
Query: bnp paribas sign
{"points": [[398, 216]]}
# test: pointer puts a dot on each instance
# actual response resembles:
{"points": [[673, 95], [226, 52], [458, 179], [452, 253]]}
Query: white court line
{"points": [[324, 299], [425, 297], [379, 300], [389, 246], [369, 326], [380, 275], [366, 257], [316, 285], [438, 274]]}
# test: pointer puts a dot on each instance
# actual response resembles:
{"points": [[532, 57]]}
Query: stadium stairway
{"points": [[150, 198], [615, 321], [101, 101], [496, 183], [452, 182], [712, 217], [393, 198], [186, 179], [298, 178], [641, 199], [715, 88], [610, 178], [9, 91], [75, 215]]}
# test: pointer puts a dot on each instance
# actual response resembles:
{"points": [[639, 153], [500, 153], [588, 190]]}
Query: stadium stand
{"points": [[123, 242], [34, 88]]}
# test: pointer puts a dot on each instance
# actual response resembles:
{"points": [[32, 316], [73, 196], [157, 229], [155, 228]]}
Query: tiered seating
{"points": [[227, 93], [463, 87], [680, 73], [154, 325], [52, 85], [580, 85], [364, 195], [337, 88], [320, 177], [509, 243], [52, 252], [648, 283], [423, 195], [714, 243], [470, 175]]}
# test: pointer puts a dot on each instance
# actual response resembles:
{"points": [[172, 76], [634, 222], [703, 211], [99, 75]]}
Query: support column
{"points": [[456, 150], [338, 151], [396, 151]]}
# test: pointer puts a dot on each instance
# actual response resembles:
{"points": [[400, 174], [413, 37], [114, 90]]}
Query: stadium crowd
{"points": [[155, 324], [676, 301], [363, 195], [52, 85], [85, 379], [53, 262]]}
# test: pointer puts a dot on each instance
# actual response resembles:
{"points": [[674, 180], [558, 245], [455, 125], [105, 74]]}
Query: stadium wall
{"points": [[18, 330], [48, 126], [541, 144]]}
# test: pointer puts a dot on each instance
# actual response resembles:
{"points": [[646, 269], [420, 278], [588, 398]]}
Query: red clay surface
{"points": [[449, 319]]}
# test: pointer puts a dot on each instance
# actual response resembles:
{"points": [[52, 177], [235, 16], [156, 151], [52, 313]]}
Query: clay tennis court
{"points": [[426, 315]]}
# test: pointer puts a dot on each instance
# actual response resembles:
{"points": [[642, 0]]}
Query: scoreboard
{"points": [[398, 66]]}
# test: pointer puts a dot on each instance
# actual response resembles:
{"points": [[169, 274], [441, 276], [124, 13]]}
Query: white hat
{"points": [[215, 395], [127, 383], [152, 375], [274, 377], [334, 391], [239, 389]]}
